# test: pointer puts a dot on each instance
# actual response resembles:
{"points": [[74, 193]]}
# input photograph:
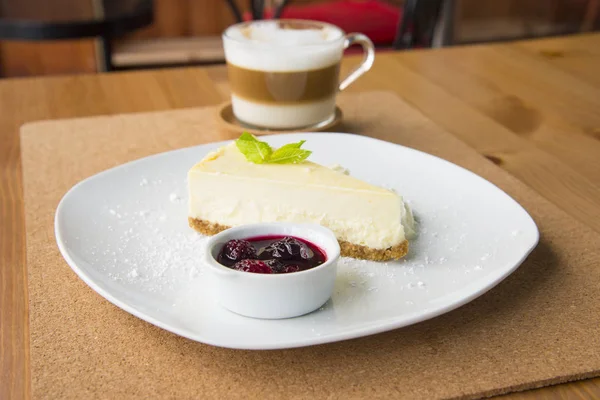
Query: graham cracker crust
{"points": [[347, 249], [367, 253]]}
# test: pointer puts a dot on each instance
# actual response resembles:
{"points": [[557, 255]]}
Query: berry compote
{"points": [[271, 255]]}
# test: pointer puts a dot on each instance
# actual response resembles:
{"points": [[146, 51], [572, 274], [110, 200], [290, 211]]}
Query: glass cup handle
{"points": [[367, 61]]}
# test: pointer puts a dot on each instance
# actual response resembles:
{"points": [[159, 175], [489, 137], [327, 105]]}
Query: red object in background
{"points": [[375, 19]]}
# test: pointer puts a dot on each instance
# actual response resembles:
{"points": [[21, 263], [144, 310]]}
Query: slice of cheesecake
{"points": [[226, 190]]}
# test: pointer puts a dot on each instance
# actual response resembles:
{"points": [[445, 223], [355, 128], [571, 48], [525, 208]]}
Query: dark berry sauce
{"points": [[271, 255]]}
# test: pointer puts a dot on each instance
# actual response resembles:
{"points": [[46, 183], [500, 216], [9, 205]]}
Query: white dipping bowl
{"points": [[274, 296]]}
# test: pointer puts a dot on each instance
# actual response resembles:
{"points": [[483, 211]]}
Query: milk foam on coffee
{"points": [[265, 54], [266, 46]]}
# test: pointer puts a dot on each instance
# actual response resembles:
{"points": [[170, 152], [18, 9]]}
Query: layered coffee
{"points": [[283, 87], [282, 74]]}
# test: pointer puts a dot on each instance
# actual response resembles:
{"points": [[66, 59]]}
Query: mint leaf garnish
{"points": [[255, 151], [261, 153], [290, 154]]}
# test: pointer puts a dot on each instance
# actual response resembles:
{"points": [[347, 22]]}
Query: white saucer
{"points": [[227, 119]]}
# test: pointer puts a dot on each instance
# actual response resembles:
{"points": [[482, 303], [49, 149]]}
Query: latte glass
{"points": [[284, 74]]}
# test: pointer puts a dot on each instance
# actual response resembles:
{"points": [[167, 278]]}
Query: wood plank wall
{"points": [[177, 18]]}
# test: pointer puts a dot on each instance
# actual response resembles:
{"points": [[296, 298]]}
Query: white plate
{"points": [[125, 233]]}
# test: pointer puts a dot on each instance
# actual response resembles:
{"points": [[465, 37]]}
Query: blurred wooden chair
{"points": [[377, 19], [398, 24], [476, 21], [49, 23]]}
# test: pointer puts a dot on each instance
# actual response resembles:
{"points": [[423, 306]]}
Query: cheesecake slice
{"points": [[225, 190]]}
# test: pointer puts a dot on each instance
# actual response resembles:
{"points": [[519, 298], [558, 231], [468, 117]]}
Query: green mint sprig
{"points": [[261, 153]]}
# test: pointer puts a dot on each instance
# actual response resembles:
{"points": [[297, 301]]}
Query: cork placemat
{"points": [[538, 327]]}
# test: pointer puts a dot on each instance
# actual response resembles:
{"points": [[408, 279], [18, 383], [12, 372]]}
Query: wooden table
{"points": [[531, 107]]}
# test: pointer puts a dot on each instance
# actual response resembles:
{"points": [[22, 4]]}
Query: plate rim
{"points": [[407, 320]]}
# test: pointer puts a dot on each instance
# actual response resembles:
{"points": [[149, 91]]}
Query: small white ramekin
{"points": [[274, 296]]}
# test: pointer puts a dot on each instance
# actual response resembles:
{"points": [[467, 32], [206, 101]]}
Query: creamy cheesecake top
{"points": [[227, 189], [228, 160]]}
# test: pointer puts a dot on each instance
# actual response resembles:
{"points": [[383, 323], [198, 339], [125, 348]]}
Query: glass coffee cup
{"points": [[284, 74]]}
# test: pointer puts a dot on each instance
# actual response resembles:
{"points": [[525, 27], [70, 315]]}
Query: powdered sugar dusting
{"points": [[162, 257], [175, 198], [127, 232], [149, 247]]}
